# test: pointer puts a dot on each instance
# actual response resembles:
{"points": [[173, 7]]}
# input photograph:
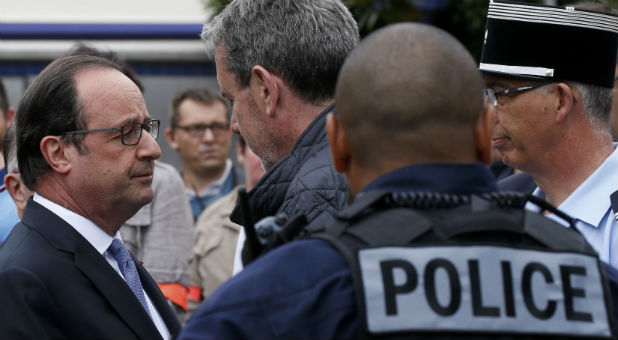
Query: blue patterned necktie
{"points": [[128, 270]]}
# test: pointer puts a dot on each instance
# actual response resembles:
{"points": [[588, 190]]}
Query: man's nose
{"points": [[208, 135], [148, 148]]}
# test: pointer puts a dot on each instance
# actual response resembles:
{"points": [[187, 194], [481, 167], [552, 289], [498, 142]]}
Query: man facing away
{"points": [[278, 65], [200, 132], [86, 147], [408, 216], [553, 108]]}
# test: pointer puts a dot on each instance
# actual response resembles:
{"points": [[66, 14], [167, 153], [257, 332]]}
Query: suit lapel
{"points": [[115, 290], [94, 266], [159, 301]]}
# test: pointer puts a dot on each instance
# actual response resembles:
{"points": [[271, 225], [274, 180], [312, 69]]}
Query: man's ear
{"points": [[566, 100], [240, 153], [338, 141], [18, 191], [10, 114], [56, 153], [483, 131], [169, 136], [265, 88]]}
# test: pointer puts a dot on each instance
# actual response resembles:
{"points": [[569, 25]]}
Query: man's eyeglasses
{"points": [[131, 133], [492, 96], [198, 130]]}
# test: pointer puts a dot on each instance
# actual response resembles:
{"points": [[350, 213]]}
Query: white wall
{"points": [[108, 11]]}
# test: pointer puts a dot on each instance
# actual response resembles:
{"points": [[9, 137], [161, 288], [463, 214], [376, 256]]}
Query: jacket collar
{"points": [[268, 194], [94, 266], [453, 178]]}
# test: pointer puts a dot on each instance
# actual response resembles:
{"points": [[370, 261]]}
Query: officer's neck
{"points": [[560, 179]]}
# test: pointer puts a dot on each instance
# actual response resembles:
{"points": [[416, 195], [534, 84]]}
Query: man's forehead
{"points": [[196, 108], [108, 90]]}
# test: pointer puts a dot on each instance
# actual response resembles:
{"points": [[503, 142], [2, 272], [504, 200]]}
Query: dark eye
{"points": [[197, 128], [218, 127], [130, 131]]}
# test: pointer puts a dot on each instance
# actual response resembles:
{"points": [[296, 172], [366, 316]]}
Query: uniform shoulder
{"points": [[317, 258]]}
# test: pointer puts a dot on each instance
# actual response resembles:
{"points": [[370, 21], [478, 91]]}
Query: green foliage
{"points": [[464, 19], [370, 14], [373, 14], [216, 6]]}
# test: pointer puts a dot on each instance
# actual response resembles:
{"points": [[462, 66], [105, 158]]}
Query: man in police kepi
{"points": [[427, 248], [552, 70]]}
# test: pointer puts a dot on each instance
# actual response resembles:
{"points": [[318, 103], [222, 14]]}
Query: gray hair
{"points": [[596, 101], [302, 41]]}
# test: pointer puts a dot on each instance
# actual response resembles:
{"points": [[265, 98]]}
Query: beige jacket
{"points": [[214, 246]]}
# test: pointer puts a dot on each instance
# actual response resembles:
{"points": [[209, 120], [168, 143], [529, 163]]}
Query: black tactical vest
{"points": [[457, 267]]}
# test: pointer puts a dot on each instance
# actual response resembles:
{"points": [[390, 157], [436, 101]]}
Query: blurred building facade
{"points": [[159, 39]]}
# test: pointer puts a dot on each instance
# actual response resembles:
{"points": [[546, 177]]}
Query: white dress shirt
{"points": [[100, 240]]}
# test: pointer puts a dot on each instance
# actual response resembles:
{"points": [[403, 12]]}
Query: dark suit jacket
{"points": [[54, 284]]}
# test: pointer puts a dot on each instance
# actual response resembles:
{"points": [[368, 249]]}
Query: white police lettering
{"points": [[482, 288]]}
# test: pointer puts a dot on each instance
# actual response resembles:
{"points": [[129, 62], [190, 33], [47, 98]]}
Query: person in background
{"points": [[86, 146], [160, 234], [16, 188], [216, 236], [278, 66], [200, 132], [553, 110], [8, 215]]}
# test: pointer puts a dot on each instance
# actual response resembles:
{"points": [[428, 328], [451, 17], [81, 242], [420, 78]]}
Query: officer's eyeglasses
{"points": [[198, 130], [131, 133], [492, 96]]}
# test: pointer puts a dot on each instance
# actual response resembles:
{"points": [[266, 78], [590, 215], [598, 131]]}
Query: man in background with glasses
{"points": [[86, 147], [550, 75], [200, 132]]}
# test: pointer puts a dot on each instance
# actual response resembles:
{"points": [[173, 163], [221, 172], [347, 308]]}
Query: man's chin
{"points": [[510, 159], [212, 163], [146, 197]]}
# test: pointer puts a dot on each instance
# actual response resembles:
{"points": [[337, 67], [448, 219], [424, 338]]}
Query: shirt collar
{"points": [[214, 187], [2, 174], [99, 239], [590, 201], [453, 178]]}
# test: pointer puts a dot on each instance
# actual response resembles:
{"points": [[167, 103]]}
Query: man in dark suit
{"points": [[64, 271]]}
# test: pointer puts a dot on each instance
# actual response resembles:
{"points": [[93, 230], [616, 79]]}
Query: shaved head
{"points": [[409, 93]]}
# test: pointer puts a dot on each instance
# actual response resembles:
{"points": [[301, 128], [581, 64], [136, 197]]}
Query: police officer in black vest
{"points": [[427, 248]]}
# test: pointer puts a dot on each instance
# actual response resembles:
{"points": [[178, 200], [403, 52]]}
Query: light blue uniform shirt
{"points": [[8, 214], [590, 205]]}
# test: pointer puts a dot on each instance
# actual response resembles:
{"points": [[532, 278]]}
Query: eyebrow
{"points": [[135, 119]]}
